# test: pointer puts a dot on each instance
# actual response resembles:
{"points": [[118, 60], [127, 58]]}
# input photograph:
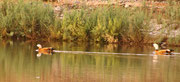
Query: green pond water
{"points": [[82, 62]]}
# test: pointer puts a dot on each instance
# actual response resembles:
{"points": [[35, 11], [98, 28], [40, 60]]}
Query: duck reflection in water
{"points": [[45, 50]]}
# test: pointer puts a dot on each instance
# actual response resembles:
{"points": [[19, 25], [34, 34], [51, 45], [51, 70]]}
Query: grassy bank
{"points": [[112, 24]]}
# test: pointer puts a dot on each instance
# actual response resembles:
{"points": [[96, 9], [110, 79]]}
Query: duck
{"points": [[45, 50], [163, 51]]}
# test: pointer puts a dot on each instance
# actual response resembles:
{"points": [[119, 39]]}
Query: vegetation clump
{"points": [[37, 20]]}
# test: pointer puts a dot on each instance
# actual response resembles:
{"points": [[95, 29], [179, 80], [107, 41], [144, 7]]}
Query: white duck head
{"points": [[156, 46], [39, 46]]}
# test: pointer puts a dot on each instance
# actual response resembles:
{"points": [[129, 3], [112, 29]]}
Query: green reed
{"points": [[36, 20], [172, 14], [112, 24], [106, 24], [22, 19]]}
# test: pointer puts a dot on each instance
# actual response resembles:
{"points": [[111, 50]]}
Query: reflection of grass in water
{"points": [[104, 67], [20, 63], [110, 67], [23, 64]]}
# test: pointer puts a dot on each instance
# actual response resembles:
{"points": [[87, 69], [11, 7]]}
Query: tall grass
{"points": [[37, 20], [25, 19], [107, 24], [172, 14]]}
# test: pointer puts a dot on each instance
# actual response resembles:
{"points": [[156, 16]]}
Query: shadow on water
{"points": [[90, 63]]}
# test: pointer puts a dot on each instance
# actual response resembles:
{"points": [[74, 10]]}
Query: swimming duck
{"points": [[163, 51], [46, 50]]}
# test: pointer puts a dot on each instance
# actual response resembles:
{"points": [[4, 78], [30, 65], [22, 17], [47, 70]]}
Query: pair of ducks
{"points": [[49, 50]]}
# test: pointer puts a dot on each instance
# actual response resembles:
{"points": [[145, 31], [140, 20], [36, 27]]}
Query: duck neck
{"points": [[39, 47], [156, 50]]}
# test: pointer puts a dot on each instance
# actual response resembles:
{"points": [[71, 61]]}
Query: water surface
{"points": [[94, 63]]}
